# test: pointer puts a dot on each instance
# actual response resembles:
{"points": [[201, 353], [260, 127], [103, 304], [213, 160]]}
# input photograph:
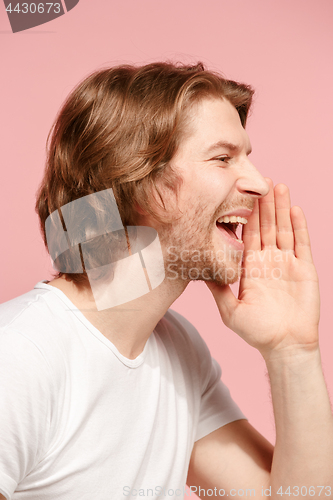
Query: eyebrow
{"points": [[227, 145]]}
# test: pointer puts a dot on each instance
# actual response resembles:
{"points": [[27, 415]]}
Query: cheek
{"points": [[209, 184], [208, 192], [216, 180]]}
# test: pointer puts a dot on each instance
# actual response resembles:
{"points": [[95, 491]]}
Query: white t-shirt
{"points": [[79, 421]]}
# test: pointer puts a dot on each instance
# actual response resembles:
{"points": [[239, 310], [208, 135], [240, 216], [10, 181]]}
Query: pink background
{"points": [[282, 47]]}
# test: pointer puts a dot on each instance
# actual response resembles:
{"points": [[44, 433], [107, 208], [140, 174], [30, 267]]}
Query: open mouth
{"points": [[232, 225]]}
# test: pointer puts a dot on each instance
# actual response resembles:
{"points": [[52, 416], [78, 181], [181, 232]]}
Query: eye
{"points": [[223, 159]]}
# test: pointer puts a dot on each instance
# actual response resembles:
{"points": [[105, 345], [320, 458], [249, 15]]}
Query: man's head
{"points": [[121, 128]]}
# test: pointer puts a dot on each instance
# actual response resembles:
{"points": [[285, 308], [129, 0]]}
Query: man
{"points": [[121, 399]]}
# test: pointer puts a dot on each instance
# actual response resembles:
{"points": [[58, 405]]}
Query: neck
{"points": [[128, 326]]}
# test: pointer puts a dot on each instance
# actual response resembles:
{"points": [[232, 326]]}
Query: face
{"points": [[218, 180]]}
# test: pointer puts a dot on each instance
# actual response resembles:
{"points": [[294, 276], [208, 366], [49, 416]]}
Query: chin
{"points": [[226, 275]]}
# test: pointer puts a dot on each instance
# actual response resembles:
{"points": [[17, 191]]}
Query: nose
{"points": [[251, 182]]}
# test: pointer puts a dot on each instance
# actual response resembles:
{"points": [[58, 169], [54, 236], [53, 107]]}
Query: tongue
{"points": [[228, 228]]}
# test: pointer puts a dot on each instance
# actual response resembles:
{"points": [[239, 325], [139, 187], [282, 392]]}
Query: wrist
{"points": [[296, 371], [292, 354]]}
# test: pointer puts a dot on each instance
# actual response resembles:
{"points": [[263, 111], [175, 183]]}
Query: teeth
{"points": [[233, 219]]}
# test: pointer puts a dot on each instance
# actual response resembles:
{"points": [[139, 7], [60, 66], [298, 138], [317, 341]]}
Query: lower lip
{"points": [[237, 244]]}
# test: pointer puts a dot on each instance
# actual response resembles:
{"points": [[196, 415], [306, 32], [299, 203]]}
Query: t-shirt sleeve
{"points": [[217, 408], [25, 383]]}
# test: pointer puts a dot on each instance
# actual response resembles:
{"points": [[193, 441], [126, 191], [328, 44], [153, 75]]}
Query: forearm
{"points": [[303, 454]]}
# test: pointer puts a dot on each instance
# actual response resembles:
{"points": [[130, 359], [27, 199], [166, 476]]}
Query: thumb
{"points": [[225, 301]]}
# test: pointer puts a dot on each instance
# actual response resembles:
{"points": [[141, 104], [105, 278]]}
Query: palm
{"points": [[278, 301]]}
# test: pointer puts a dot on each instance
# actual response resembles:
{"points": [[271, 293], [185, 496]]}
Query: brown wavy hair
{"points": [[119, 128]]}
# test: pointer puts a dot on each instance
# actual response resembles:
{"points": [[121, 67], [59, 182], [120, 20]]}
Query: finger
{"points": [[301, 234], [267, 218], [251, 231], [284, 230]]}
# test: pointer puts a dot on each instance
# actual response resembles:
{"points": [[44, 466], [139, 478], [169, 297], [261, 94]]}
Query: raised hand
{"points": [[278, 303]]}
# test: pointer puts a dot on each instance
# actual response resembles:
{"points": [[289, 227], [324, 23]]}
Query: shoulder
{"points": [[182, 331], [183, 341], [29, 326], [23, 305]]}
